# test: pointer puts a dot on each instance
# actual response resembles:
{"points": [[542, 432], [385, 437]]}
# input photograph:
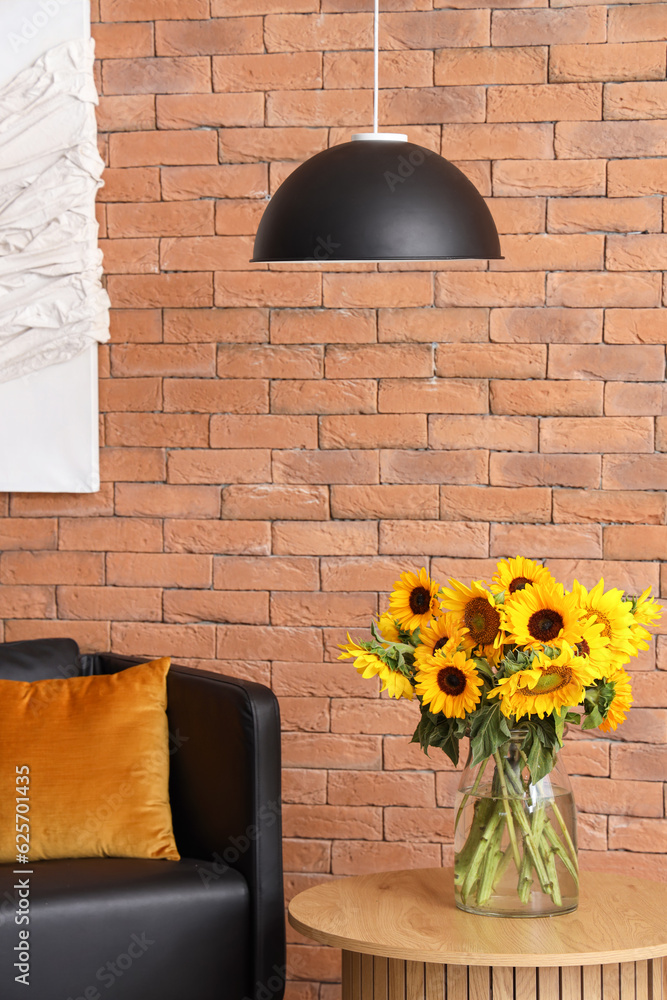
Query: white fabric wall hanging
{"points": [[53, 309]]}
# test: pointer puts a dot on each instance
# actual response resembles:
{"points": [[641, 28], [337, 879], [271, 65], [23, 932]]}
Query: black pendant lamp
{"points": [[378, 197]]}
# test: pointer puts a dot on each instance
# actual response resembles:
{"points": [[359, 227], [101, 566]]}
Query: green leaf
{"points": [[540, 760], [484, 668], [573, 718], [488, 731]]}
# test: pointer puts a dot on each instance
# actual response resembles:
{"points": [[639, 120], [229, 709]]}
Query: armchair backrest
{"points": [[41, 659]]}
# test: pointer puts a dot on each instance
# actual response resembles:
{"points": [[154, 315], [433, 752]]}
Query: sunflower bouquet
{"points": [[508, 665]]}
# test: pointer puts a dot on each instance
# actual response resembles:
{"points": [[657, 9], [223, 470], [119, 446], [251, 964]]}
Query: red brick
{"points": [[219, 466], [520, 177], [234, 537], [21, 601], [309, 326], [349, 572], [156, 570], [383, 501], [147, 10], [372, 290], [136, 326], [588, 757], [264, 573], [512, 215], [240, 217], [634, 398], [309, 608], [630, 24], [92, 637], [349, 466], [395, 789], [577, 215], [110, 603], [130, 256], [636, 177], [131, 40], [277, 362], [542, 251], [163, 360], [433, 396], [540, 540], [131, 184], [161, 219], [492, 65], [553, 326], [216, 325], [158, 290], [216, 606], [644, 61], [610, 139], [618, 797], [416, 824], [319, 396], [634, 100], [305, 855], [428, 325], [271, 502], [51, 568], [379, 361], [595, 506], [447, 538], [145, 499], [498, 433], [142, 149], [126, 113], [215, 396], [598, 434], [373, 431], [630, 542], [494, 503], [324, 538], [637, 253], [489, 289], [606, 361], [300, 644], [344, 70], [546, 398], [315, 32], [642, 472], [359, 857], [600, 289], [247, 180], [175, 430], [157, 76], [163, 639], [498, 141], [208, 37], [237, 73], [306, 788], [639, 761], [240, 145], [635, 326], [359, 822], [549, 27], [435, 466], [118, 534], [319, 680], [186, 111], [490, 361], [62, 504], [545, 102], [435, 29], [247, 288], [263, 431], [132, 464]]}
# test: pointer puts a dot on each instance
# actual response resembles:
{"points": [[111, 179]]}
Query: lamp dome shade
{"points": [[380, 200]]}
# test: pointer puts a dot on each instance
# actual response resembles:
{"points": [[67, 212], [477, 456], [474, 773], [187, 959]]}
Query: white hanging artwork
{"points": [[53, 308]]}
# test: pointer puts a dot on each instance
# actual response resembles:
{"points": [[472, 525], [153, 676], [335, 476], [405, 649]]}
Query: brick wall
{"points": [[366, 420]]}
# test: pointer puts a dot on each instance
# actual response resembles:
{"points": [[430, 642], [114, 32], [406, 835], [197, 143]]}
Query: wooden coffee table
{"points": [[403, 939]]}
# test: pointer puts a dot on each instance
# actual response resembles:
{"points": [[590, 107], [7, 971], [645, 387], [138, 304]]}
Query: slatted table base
{"points": [[368, 977]]}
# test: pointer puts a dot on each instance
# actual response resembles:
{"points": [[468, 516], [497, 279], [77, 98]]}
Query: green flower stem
{"points": [[525, 878], [486, 837], [491, 861], [531, 845], [472, 791], [539, 817], [482, 814], [558, 848], [566, 834], [508, 811], [504, 864], [553, 877]]}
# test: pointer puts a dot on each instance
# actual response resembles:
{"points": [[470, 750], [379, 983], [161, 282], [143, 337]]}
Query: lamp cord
{"points": [[376, 33]]}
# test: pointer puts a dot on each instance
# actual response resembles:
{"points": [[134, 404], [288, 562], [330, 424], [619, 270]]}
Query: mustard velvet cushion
{"points": [[98, 753]]}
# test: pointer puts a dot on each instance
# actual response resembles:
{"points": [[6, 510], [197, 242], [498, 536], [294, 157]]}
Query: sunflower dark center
{"points": [[420, 600], [451, 680], [545, 624], [583, 648], [482, 619], [441, 642], [518, 583]]}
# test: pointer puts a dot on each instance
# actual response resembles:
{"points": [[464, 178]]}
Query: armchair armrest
{"points": [[225, 796]]}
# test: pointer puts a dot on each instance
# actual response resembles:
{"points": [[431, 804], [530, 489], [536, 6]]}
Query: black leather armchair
{"points": [[210, 927]]}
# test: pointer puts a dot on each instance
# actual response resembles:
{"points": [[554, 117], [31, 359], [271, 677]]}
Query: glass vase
{"points": [[515, 842]]}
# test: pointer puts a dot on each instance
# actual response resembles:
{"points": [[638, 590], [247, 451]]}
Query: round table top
{"points": [[411, 915]]}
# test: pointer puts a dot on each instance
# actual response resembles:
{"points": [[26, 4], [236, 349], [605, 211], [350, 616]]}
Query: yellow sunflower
{"points": [[546, 685], [612, 612], [543, 614], [516, 574], [477, 611], [645, 611], [388, 628], [369, 664], [594, 645], [446, 633], [622, 699], [414, 602], [449, 684]]}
